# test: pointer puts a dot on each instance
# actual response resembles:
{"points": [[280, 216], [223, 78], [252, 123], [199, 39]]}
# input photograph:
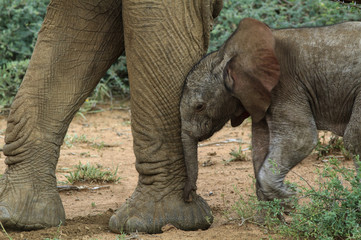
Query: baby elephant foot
{"points": [[271, 186], [268, 192], [287, 204], [150, 213], [27, 206]]}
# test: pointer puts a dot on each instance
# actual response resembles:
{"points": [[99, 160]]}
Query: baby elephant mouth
{"points": [[198, 137], [213, 128], [205, 137]]}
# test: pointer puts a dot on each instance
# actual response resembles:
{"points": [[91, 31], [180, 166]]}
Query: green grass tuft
{"points": [[237, 155], [92, 174]]}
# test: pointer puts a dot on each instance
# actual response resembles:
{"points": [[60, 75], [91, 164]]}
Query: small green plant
{"points": [[98, 145], [85, 154], [237, 155], [93, 205], [71, 140], [272, 213], [244, 207], [92, 174], [329, 210], [208, 220], [275, 168], [334, 145], [122, 236], [89, 106], [4, 231], [114, 83], [82, 139], [57, 234]]}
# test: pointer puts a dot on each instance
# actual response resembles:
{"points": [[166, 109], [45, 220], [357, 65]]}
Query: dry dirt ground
{"points": [[88, 211]]}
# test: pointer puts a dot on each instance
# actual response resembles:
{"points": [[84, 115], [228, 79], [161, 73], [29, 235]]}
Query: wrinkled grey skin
{"points": [[298, 80]]}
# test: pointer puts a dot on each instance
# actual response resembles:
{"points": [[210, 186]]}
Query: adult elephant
{"points": [[77, 43]]}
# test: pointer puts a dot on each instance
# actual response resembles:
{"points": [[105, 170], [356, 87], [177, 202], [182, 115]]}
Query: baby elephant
{"points": [[292, 82]]}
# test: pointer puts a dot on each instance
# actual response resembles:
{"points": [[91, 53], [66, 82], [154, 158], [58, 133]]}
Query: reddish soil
{"points": [[220, 183]]}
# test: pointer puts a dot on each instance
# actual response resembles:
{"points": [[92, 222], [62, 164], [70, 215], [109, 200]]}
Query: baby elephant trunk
{"points": [[190, 145]]}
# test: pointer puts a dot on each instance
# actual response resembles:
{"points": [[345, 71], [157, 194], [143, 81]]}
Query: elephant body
{"points": [[318, 89], [292, 82], [320, 60], [77, 43]]}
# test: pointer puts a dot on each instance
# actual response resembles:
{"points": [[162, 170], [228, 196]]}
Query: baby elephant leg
{"points": [[260, 146], [292, 138], [352, 134]]}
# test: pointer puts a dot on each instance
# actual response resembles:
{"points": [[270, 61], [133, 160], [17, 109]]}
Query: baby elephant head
{"points": [[233, 83]]}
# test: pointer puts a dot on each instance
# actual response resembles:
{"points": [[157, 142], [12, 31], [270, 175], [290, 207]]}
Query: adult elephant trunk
{"points": [[163, 40], [190, 147]]}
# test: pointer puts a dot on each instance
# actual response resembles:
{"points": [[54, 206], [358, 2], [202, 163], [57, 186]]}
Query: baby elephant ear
{"points": [[253, 69]]}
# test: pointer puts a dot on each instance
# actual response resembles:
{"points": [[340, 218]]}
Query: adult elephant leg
{"points": [[77, 43], [163, 40]]}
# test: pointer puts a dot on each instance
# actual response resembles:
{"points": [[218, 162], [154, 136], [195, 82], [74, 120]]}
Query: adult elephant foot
{"points": [[146, 214], [28, 204], [29, 198]]}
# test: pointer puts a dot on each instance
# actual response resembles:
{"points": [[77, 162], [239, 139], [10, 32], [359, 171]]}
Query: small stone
{"points": [[208, 163], [212, 153]]}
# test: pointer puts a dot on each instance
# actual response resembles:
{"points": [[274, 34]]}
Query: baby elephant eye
{"points": [[200, 107]]}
